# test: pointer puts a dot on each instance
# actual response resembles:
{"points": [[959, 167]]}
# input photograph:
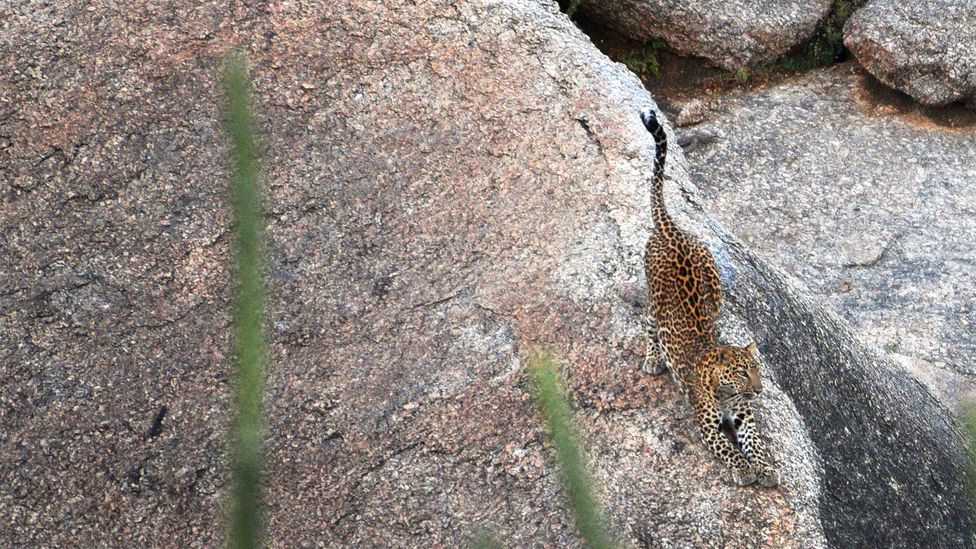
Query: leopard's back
{"points": [[686, 294], [685, 289]]}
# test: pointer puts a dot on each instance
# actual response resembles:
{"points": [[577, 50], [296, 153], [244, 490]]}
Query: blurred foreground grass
{"points": [[247, 437], [246, 504], [554, 406], [967, 417]]}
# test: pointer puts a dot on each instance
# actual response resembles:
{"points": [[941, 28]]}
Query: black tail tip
{"points": [[649, 118]]}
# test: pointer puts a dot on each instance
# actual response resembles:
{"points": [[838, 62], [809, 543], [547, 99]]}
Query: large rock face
{"points": [[730, 34], [925, 48], [871, 207], [442, 196]]}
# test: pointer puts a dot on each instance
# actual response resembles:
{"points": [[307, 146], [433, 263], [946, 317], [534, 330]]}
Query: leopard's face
{"points": [[738, 372]]}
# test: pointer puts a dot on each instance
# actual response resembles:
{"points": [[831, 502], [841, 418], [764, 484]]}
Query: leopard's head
{"points": [[738, 372]]}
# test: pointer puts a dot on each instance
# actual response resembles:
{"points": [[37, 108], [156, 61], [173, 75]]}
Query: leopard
{"points": [[722, 381]]}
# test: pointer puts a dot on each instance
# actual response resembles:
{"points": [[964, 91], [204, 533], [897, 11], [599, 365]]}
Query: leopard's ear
{"points": [[752, 348]]}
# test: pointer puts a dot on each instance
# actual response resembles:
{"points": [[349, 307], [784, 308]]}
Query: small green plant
{"points": [[792, 64], [247, 436], [573, 5], [742, 75], [891, 348], [554, 406], [644, 61]]}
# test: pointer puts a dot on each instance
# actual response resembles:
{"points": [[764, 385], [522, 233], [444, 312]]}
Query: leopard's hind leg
{"points": [[655, 359]]}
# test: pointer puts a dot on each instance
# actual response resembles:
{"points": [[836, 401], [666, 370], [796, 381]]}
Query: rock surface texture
{"points": [[925, 48], [442, 197], [730, 34], [870, 206]]}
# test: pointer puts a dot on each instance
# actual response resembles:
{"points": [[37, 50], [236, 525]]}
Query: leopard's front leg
{"points": [[743, 415], [710, 422]]}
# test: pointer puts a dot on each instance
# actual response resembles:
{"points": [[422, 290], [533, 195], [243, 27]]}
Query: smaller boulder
{"points": [[926, 49], [729, 34]]}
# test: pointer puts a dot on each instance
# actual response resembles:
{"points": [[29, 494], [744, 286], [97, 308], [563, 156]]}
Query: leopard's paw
{"points": [[768, 476], [744, 478]]}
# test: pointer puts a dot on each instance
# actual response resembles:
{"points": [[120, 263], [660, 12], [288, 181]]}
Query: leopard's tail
{"points": [[662, 221]]}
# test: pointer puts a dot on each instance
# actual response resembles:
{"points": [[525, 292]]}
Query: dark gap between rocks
{"points": [[679, 78]]}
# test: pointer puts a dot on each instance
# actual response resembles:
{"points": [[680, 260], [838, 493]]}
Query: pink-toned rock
{"points": [[447, 186]]}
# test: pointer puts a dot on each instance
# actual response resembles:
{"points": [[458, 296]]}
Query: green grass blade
{"points": [[554, 406], [247, 437], [967, 417], [485, 541]]}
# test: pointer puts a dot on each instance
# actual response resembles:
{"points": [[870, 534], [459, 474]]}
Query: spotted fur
{"points": [[686, 296]]}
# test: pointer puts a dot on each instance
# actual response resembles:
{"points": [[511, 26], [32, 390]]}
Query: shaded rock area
{"points": [[926, 49], [870, 205], [442, 197], [730, 34]]}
